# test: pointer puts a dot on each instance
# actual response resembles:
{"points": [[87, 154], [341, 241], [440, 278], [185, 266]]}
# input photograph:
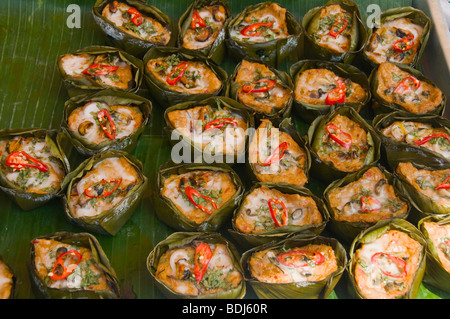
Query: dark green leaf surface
{"points": [[33, 33]]}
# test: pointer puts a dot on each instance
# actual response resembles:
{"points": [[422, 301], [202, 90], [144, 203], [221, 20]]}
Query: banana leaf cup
{"points": [[430, 101], [183, 239], [125, 39], [79, 84], [272, 52], [7, 275], [107, 98], [426, 197], [110, 220], [312, 23], [33, 196], [43, 290], [345, 229], [297, 170], [373, 233], [162, 92], [437, 250], [305, 289], [193, 148], [308, 112], [277, 113], [417, 17], [397, 151], [326, 170], [172, 214], [274, 233], [216, 50]]}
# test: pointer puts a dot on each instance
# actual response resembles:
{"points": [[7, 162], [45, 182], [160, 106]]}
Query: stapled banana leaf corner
{"points": [[43, 291], [297, 290], [313, 21], [24, 199], [309, 112], [110, 98], [181, 239], [110, 221], [128, 41]]}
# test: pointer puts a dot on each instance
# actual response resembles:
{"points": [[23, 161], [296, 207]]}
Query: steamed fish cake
{"points": [[198, 194], [219, 130], [107, 70], [420, 134], [98, 122], [385, 267], [193, 77], [65, 266], [396, 40], [259, 88], [368, 199], [6, 281], [198, 269], [434, 184], [135, 23], [265, 209], [276, 157], [265, 23], [333, 28], [344, 144], [103, 187], [324, 87], [205, 26], [402, 88], [28, 164], [440, 237], [312, 262]]}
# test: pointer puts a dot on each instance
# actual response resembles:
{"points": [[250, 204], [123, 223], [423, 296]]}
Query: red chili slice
{"points": [[400, 263], [219, 123], [445, 184], [403, 87], [252, 30], [370, 204], [299, 258], [177, 73], [67, 270], [263, 85], [334, 32], [191, 192], [274, 212], [339, 136], [337, 95], [107, 123], [21, 159], [100, 69], [276, 155], [115, 182], [197, 21], [136, 16], [429, 137], [404, 44], [203, 255]]}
